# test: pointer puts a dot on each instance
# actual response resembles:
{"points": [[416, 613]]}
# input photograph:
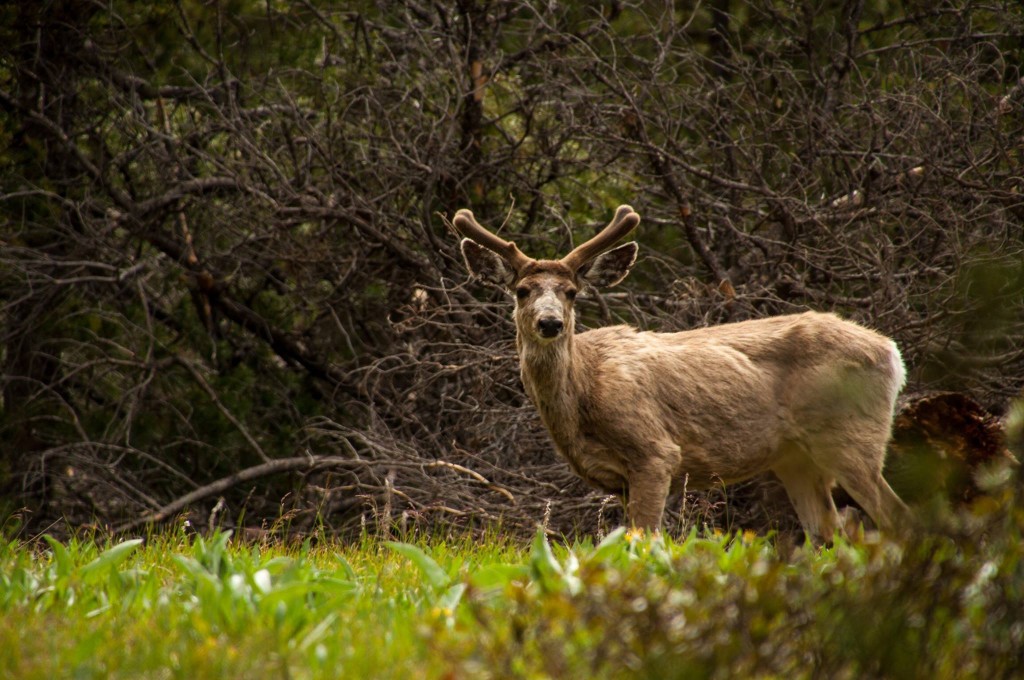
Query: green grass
{"points": [[631, 606]]}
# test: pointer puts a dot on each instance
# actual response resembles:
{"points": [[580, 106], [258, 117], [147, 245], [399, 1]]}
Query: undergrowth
{"points": [[633, 605]]}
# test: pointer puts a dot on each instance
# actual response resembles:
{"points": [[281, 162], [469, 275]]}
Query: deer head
{"points": [[545, 290]]}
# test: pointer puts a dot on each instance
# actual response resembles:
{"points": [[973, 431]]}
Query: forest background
{"points": [[227, 284]]}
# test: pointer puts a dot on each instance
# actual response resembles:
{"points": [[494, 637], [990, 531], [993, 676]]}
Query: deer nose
{"points": [[549, 326]]}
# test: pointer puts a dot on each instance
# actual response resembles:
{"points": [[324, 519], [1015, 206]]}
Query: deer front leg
{"points": [[648, 489]]}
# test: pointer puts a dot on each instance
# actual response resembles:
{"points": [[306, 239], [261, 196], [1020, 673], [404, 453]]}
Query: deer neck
{"points": [[553, 380]]}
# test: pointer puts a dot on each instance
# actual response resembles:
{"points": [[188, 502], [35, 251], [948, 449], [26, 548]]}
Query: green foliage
{"points": [[982, 300], [634, 605]]}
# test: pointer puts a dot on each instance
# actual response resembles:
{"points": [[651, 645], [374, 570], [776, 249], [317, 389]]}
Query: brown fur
{"points": [[639, 414]]}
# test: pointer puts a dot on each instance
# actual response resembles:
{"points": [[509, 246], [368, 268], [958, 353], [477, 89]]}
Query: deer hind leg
{"points": [[810, 490], [863, 480]]}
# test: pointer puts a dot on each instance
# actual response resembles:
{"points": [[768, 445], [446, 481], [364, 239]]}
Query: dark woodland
{"points": [[230, 293]]}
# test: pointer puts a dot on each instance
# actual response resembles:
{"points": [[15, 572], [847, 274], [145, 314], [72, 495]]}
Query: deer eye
{"points": [[522, 292]]}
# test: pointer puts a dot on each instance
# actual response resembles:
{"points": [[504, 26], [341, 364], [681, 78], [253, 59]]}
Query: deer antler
{"points": [[625, 221], [467, 225]]}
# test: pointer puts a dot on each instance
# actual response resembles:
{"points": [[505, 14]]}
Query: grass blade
{"points": [[436, 576], [111, 557], [61, 556]]}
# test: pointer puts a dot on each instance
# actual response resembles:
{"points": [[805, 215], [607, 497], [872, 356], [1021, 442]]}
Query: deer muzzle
{"points": [[549, 326]]}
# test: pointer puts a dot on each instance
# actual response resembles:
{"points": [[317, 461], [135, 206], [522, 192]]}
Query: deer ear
{"points": [[609, 268], [485, 264]]}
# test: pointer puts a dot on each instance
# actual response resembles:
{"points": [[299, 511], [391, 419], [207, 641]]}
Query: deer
{"points": [[642, 415]]}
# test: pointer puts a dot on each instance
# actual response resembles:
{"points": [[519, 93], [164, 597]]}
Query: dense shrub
{"points": [[224, 257]]}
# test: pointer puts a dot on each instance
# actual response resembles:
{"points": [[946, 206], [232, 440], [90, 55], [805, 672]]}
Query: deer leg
{"points": [[873, 493], [648, 489], [856, 463], [810, 490]]}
